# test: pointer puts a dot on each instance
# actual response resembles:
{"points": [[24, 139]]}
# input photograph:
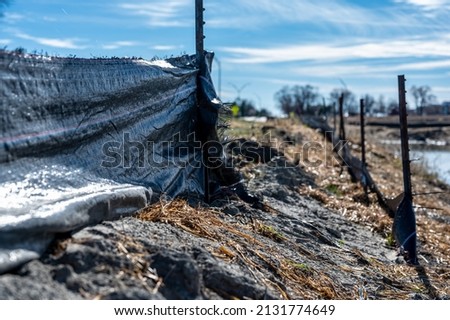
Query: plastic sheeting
{"points": [[83, 140]]}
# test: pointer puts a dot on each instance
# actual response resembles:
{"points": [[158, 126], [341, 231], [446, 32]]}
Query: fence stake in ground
{"points": [[334, 122], [341, 118], [363, 148], [199, 34], [200, 54], [405, 220]]}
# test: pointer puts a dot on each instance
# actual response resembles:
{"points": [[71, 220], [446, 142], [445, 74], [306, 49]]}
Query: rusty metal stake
{"points": [[405, 219]]}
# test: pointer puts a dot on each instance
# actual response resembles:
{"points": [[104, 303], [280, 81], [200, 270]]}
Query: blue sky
{"points": [[262, 45]]}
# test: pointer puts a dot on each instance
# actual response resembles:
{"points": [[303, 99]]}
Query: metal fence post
{"points": [[404, 136], [199, 34], [341, 118], [405, 220], [363, 146], [200, 55]]}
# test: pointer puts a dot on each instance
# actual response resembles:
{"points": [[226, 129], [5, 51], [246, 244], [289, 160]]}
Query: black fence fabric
{"points": [[83, 140]]}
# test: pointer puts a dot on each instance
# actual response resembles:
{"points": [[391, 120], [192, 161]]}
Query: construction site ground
{"points": [[315, 235]]}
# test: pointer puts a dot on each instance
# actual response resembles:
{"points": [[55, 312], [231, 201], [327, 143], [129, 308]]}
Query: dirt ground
{"points": [[313, 236]]}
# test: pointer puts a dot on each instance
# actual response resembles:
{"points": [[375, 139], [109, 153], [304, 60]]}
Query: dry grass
{"points": [[242, 243], [336, 192], [200, 221], [309, 276]]}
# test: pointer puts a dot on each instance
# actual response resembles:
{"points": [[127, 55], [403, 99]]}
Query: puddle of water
{"points": [[436, 160]]}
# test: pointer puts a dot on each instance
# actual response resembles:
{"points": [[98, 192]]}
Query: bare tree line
{"points": [[307, 99]]}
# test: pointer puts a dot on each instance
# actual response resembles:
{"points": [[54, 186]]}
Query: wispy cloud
{"points": [[380, 70], [437, 89], [336, 13], [427, 65], [119, 44], [71, 43], [169, 13], [4, 42], [319, 52], [11, 18], [309, 10], [49, 19], [165, 47], [345, 17], [427, 4]]}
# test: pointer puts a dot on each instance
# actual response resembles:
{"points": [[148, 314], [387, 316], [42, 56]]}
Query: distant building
{"points": [[437, 109], [446, 105]]}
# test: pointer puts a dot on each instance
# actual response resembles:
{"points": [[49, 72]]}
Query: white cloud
{"points": [[49, 19], [119, 44], [4, 42], [342, 16], [165, 47], [363, 70], [321, 52], [437, 89], [428, 65], [167, 13], [10, 17], [332, 11], [341, 70], [427, 4], [336, 13], [52, 42]]}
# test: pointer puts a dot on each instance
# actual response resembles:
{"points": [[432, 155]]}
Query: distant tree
{"points": [[263, 113], [304, 98], [422, 97], [369, 103], [416, 95], [432, 99], [285, 100], [298, 99], [381, 105], [246, 108], [350, 105], [321, 108], [393, 108]]}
